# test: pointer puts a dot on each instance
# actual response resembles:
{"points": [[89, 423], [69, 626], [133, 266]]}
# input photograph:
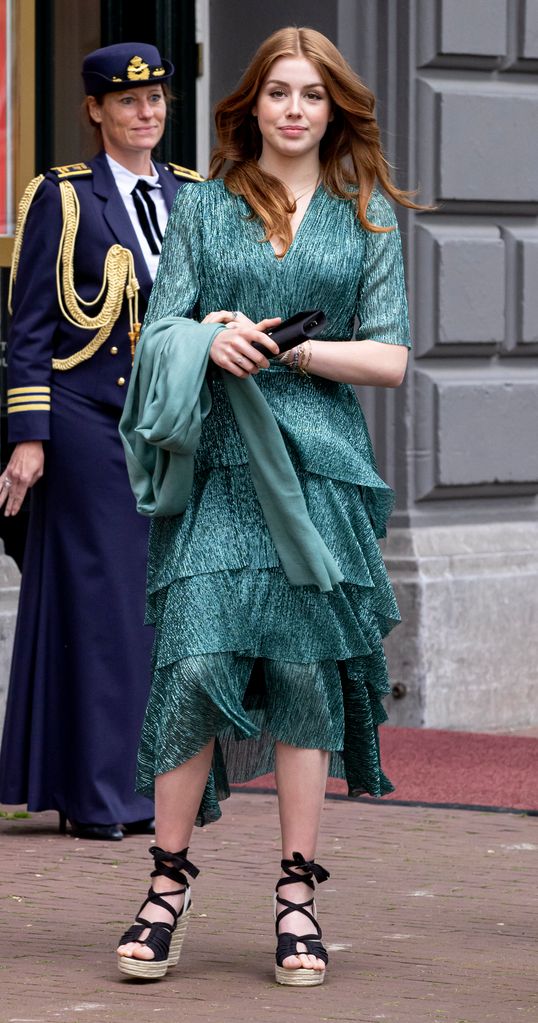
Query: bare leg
{"points": [[178, 795], [177, 800], [301, 778]]}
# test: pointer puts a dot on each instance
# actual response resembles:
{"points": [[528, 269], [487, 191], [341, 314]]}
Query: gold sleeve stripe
{"points": [[43, 399], [28, 390], [28, 408]]}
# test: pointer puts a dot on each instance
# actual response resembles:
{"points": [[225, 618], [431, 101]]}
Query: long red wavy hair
{"points": [[351, 155]]}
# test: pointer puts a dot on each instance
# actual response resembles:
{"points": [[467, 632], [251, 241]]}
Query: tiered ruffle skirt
{"points": [[242, 655]]}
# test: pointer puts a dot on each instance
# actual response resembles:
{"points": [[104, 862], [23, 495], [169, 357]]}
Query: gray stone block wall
{"points": [[463, 657], [457, 88]]}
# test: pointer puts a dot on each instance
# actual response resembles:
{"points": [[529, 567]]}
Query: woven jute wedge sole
{"points": [[178, 936], [147, 969]]}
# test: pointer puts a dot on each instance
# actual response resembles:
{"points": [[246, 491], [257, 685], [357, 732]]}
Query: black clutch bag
{"points": [[293, 332]]}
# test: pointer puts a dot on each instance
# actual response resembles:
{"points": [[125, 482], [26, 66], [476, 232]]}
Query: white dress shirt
{"points": [[125, 182]]}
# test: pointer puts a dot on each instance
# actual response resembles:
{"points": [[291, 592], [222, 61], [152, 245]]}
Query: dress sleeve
{"points": [[382, 301], [35, 320], [176, 287]]}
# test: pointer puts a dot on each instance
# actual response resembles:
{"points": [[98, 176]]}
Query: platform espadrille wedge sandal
{"points": [[164, 938], [287, 943]]}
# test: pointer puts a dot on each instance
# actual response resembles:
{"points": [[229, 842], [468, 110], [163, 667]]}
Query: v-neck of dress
{"points": [[306, 215]]}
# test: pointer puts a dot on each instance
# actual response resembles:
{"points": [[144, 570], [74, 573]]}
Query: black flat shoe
{"points": [[145, 827], [100, 832]]}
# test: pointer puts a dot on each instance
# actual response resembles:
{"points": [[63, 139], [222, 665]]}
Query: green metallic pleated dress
{"points": [[239, 653]]}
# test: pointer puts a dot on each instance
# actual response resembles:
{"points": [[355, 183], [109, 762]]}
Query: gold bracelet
{"points": [[305, 362]]}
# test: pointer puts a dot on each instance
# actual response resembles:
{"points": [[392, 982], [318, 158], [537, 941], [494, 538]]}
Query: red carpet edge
{"points": [[438, 768]]}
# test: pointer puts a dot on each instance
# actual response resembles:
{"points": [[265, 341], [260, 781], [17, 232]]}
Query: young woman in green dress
{"points": [[253, 672]]}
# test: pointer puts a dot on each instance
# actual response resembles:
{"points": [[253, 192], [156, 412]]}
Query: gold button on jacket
{"points": [[120, 381], [114, 350]]}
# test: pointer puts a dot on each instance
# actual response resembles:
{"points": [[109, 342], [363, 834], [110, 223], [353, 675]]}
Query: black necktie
{"points": [[143, 205]]}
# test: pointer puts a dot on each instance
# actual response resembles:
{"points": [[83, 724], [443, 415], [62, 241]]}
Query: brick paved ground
{"points": [[431, 915]]}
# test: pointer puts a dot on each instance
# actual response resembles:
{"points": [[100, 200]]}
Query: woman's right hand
{"points": [[24, 468], [232, 349]]}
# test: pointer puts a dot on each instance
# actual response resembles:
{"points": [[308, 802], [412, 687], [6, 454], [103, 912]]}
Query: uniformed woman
{"points": [[86, 252]]}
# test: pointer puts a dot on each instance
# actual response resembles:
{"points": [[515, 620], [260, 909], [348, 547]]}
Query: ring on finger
{"points": [[240, 361], [8, 483]]}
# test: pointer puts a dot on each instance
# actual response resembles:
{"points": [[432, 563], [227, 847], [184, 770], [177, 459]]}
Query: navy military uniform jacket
{"points": [[39, 331], [81, 657]]}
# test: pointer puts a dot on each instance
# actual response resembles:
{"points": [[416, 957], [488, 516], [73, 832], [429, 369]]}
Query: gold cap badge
{"points": [[137, 70]]}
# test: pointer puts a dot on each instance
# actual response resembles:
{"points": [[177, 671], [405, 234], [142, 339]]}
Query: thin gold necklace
{"points": [[311, 188]]}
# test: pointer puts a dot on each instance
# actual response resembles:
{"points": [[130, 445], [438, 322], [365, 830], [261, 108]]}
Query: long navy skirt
{"points": [[81, 661]]}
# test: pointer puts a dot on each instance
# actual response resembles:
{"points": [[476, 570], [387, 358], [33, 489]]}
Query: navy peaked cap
{"points": [[124, 66]]}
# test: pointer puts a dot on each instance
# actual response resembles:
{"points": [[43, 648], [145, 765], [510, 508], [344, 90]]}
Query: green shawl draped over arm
{"points": [[167, 401]]}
